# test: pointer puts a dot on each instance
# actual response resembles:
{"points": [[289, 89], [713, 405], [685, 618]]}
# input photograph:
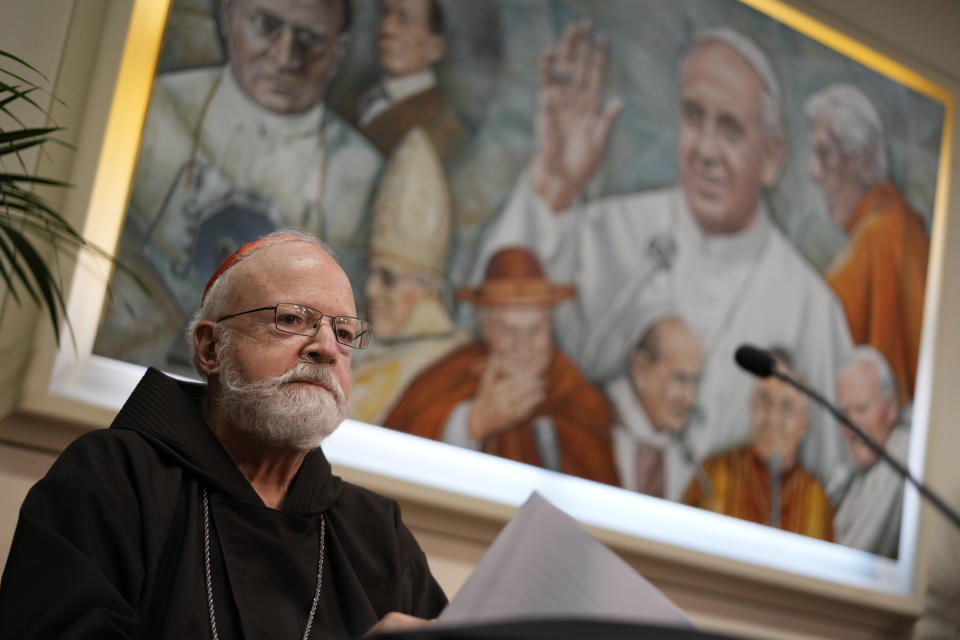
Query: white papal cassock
{"points": [[215, 171]]}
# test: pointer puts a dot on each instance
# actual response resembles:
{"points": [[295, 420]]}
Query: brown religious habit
{"points": [[881, 280], [427, 109], [741, 488], [579, 411]]}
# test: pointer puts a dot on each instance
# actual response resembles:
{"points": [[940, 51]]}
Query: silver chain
{"points": [[206, 570]]}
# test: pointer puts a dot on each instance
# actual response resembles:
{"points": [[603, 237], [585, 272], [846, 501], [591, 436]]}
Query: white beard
{"points": [[277, 413]]}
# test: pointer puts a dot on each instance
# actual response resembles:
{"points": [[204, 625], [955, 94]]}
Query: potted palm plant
{"points": [[30, 228]]}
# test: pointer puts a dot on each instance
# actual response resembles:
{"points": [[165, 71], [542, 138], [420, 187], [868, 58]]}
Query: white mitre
{"points": [[412, 208]]}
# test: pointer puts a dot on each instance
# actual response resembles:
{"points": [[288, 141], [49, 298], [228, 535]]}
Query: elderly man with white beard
{"points": [[210, 510]]}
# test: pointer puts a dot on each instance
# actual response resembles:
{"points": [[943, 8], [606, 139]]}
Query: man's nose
{"points": [[520, 344], [284, 51], [322, 346], [388, 24], [706, 146]]}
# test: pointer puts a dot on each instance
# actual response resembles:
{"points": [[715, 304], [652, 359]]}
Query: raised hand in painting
{"points": [[572, 123]]}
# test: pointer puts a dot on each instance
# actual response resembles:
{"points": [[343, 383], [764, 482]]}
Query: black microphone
{"points": [[757, 361], [760, 363]]}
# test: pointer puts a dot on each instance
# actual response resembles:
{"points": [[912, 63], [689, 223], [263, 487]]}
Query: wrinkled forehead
{"points": [[294, 271], [776, 392], [326, 15], [517, 314], [411, 8], [676, 338], [858, 377], [717, 64]]}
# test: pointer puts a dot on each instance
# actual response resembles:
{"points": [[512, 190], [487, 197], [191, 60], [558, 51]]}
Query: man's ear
{"points": [[640, 363], [484, 325], [865, 166], [206, 347], [891, 412], [223, 18], [339, 53], [774, 152], [436, 48], [804, 427]]}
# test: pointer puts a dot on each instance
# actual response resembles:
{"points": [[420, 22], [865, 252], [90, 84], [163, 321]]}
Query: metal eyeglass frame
{"points": [[361, 338]]}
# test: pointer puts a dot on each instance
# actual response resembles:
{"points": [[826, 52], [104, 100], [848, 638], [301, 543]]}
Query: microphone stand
{"points": [[934, 499], [660, 250], [776, 476]]}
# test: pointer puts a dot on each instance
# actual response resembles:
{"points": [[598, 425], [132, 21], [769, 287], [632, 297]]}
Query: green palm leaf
{"points": [[14, 178], [10, 256], [27, 221], [44, 279]]}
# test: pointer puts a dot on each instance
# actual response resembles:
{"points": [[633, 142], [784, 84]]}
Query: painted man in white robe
{"points": [[868, 515], [230, 153], [706, 245]]}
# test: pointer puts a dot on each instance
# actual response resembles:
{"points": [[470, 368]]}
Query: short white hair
{"points": [[218, 296], [771, 97], [866, 354], [853, 120]]}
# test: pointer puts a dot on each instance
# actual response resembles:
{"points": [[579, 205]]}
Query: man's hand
{"points": [[396, 621], [504, 398], [571, 127]]}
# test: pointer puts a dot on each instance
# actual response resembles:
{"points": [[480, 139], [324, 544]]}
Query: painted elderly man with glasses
{"points": [[210, 510], [234, 151]]}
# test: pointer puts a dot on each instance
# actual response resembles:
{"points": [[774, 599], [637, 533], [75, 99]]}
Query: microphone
{"points": [[757, 361], [775, 467], [760, 363]]}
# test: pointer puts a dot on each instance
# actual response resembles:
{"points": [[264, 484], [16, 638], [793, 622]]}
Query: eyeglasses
{"points": [[267, 27], [302, 320]]}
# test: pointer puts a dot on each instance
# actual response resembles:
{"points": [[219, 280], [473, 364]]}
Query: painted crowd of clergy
{"points": [[606, 328]]}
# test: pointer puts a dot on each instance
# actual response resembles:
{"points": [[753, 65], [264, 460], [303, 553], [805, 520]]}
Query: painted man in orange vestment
{"points": [[513, 394], [881, 275], [743, 481]]}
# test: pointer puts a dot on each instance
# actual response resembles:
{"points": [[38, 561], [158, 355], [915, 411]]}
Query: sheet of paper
{"points": [[545, 565]]}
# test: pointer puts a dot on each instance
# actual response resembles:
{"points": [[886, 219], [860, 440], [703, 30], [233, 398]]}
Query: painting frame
{"points": [[74, 382]]}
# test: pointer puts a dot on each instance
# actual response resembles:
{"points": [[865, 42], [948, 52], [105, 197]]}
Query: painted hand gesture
{"points": [[504, 399], [572, 125]]}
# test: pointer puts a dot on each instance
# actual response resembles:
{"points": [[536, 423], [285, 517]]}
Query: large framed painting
{"points": [[562, 219]]}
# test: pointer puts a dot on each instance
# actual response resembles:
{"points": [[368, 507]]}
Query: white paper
{"points": [[545, 565]]}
